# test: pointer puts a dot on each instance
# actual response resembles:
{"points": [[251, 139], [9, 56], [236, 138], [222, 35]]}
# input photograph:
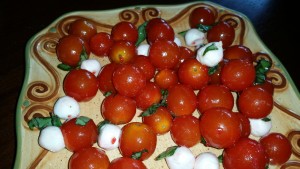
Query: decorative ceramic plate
{"points": [[43, 81]]}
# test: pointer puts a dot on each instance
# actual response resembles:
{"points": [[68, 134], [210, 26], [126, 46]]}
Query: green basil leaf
{"points": [[138, 155], [209, 48], [169, 152], [212, 70], [42, 122], [266, 119], [261, 68], [203, 28], [142, 33], [64, 67], [101, 124], [82, 120]]}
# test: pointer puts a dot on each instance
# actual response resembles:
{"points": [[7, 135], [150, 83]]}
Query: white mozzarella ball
{"points": [[210, 54], [143, 49], [259, 127], [182, 158], [66, 107], [194, 37], [109, 136], [177, 41], [207, 160], [51, 138], [91, 65]]}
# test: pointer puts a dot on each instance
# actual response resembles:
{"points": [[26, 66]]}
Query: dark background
{"points": [[274, 21]]}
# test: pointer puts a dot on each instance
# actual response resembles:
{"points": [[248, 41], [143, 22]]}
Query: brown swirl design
{"points": [[36, 110], [149, 13], [129, 16], [290, 164], [38, 159]]}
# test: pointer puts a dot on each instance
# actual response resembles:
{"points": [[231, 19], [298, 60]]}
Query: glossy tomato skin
{"points": [[105, 78], [214, 96], [164, 54], [185, 53], [145, 65], [78, 136], [245, 122], [192, 73], [222, 31], [238, 52], [220, 127], [128, 80], [124, 30], [165, 78], [159, 29], [254, 102], [137, 137], [201, 15], [237, 74], [83, 28], [80, 84], [245, 154], [69, 49], [148, 95], [87, 158], [126, 163], [278, 147], [122, 52], [118, 109], [185, 131], [181, 100], [101, 43]]}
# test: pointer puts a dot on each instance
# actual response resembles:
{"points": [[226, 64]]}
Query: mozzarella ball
{"points": [[207, 160], [194, 37], [109, 136], [259, 127], [66, 108], [210, 54], [143, 49], [177, 41], [182, 158], [91, 65], [51, 138]]}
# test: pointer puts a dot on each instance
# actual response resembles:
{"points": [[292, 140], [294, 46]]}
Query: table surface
{"points": [[272, 19]]}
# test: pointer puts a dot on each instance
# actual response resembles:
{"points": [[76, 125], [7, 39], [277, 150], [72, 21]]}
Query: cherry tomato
{"points": [[101, 43], [246, 128], [69, 49], [201, 15], [267, 85], [214, 96], [122, 52], [78, 134], [186, 53], [160, 121], [237, 74], [238, 52], [245, 154], [185, 131], [278, 148], [128, 80], [105, 78], [87, 158], [126, 163], [124, 31], [255, 102], [181, 100], [145, 65], [220, 127], [164, 54], [222, 31], [165, 78], [159, 29], [148, 95], [81, 84], [83, 28], [137, 139], [192, 73], [215, 77], [118, 109]]}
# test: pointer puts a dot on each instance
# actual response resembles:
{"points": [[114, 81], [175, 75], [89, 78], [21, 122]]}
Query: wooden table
{"points": [[21, 20]]}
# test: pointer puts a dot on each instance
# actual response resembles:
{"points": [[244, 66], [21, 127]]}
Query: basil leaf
{"points": [[138, 155], [82, 120], [212, 70], [203, 28], [209, 48], [266, 119], [42, 122], [142, 33], [262, 67], [64, 67], [169, 152]]}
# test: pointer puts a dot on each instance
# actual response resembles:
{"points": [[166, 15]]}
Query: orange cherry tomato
{"points": [[126, 163], [165, 78], [83, 28], [122, 52]]}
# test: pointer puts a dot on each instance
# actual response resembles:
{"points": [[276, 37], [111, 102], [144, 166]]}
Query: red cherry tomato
{"points": [[80, 84], [215, 77], [278, 147], [138, 138], [165, 78], [145, 65], [245, 154], [128, 80], [105, 78], [255, 102], [214, 96], [267, 85], [164, 54], [201, 15], [126, 163], [148, 95], [101, 43], [237, 74], [122, 52], [124, 31], [181, 100], [192, 73], [159, 29], [78, 134], [222, 31], [220, 127], [246, 128], [83, 28], [87, 158], [185, 131], [238, 52], [118, 109]]}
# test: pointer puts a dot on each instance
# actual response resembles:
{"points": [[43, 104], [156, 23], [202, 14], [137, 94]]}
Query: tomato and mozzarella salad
{"points": [[181, 86]]}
